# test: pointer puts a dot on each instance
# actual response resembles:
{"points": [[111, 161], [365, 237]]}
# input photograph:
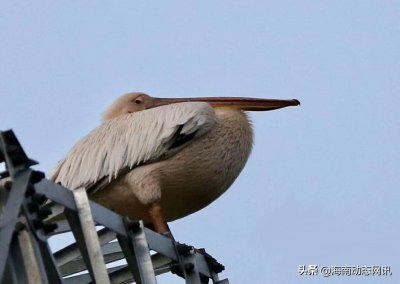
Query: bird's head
{"points": [[134, 102], [128, 103]]}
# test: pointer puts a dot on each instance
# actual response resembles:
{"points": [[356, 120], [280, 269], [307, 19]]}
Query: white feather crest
{"points": [[129, 140]]}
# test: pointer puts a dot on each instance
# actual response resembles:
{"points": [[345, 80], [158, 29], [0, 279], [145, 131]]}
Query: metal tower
{"points": [[25, 256]]}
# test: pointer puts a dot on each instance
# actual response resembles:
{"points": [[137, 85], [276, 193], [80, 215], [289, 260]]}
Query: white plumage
{"points": [[130, 140]]}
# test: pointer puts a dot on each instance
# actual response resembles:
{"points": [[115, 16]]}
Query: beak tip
{"points": [[296, 102]]}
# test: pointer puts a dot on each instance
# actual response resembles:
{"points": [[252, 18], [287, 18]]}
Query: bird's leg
{"points": [[157, 218]]}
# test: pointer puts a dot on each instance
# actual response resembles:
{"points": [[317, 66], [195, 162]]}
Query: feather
{"points": [[129, 140]]}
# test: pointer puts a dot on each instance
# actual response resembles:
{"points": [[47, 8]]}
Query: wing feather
{"points": [[130, 140]]}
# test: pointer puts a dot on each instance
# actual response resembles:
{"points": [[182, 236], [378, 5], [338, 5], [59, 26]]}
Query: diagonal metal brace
{"points": [[12, 154], [137, 253], [9, 220], [84, 230]]}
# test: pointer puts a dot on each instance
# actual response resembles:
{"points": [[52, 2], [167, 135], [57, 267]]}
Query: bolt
{"points": [[217, 267], [189, 267], [49, 228], [30, 190], [19, 226], [175, 269], [183, 249], [134, 226], [33, 207], [37, 176], [43, 213], [39, 198], [8, 184], [37, 224]]}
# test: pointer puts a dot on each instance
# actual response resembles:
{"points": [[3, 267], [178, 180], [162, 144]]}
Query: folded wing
{"points": [[130, 140]]}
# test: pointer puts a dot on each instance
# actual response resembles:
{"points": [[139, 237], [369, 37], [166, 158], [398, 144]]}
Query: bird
{"points": [[161, 159]]}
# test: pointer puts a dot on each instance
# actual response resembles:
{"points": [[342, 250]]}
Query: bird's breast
{"points": [[207, 167]]}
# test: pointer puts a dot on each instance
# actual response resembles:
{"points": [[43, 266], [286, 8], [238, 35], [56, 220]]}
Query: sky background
{"points": [[322, 184]]}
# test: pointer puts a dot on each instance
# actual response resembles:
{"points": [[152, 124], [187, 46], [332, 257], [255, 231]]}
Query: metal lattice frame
{"points": [[25, 256]]}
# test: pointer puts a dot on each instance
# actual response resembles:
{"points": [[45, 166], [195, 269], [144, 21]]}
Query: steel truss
{"points": [[25, 256]]}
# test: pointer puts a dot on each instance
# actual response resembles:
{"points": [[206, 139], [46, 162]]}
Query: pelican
{"points": [[161, 159]]}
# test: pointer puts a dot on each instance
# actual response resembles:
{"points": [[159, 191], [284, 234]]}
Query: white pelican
{"points": [[160, 159]]}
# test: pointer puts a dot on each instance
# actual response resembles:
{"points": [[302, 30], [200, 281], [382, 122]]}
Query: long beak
{"points": [[250, 104]]}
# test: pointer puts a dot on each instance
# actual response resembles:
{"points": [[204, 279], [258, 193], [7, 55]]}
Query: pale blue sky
{"points": [[322, 184]]}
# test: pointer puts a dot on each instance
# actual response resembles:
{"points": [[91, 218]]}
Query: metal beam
{"points": [[137, 253], [85, 233], [12, 208]]}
